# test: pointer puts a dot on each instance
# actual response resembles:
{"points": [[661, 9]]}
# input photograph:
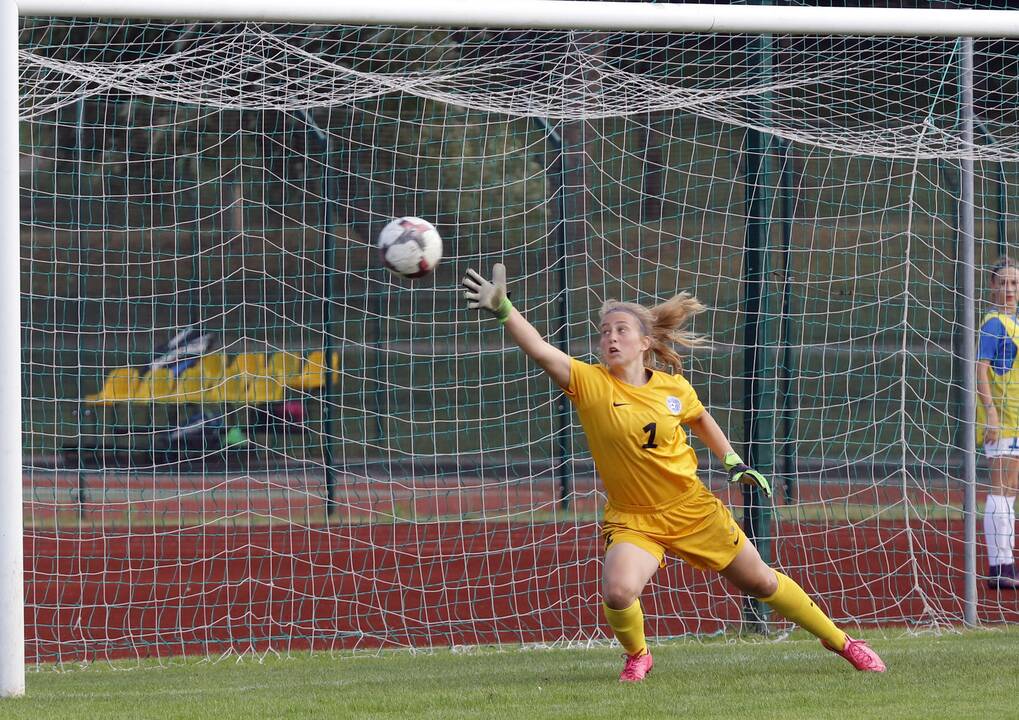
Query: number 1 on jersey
{"points": [[650, 429]]}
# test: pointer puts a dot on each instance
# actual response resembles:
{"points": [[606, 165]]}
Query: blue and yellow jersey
{"points": [[636, 434], [999, 346]]}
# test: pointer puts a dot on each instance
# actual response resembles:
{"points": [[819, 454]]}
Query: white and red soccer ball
{"points": [[410, 247]]}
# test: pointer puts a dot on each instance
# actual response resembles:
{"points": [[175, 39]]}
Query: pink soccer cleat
{"points": [[859, 654], [636, 667]]}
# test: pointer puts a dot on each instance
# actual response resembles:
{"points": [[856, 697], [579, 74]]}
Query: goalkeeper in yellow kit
{"points": [[633, 417]]}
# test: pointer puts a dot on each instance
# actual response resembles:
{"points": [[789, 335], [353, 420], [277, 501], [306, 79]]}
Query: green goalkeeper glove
{"points": [[489, 295], [739, 472]]}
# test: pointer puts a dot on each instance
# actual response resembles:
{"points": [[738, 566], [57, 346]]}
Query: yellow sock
{"points": [[628, 625], [792, 603]]}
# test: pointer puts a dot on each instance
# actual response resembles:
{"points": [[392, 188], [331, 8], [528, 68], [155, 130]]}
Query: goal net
{"points": [[246, 435]]}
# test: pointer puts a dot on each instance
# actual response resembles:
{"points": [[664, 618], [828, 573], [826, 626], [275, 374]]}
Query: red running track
{"points": [[212, 589]]}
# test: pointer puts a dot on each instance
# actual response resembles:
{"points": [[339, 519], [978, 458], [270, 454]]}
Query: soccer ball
{"points": [[410, 247]]}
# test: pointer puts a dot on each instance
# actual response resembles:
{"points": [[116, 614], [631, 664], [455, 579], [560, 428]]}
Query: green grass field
{"points": [[950, 675]]}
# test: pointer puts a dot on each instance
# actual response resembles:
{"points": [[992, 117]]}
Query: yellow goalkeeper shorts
{"points": [[698, 529]]}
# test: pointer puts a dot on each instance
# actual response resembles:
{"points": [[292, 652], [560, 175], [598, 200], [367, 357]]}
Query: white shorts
{"points": [[1005, 447]]}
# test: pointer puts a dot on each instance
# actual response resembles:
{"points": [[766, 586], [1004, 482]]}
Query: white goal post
{"points": [[569, 15], [523, 14]]}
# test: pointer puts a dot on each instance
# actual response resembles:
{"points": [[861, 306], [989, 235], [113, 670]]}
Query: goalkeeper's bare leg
{"points": [[751, 575], [626, 572]]}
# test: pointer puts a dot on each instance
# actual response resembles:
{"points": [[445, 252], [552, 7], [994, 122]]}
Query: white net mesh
{"points": [[229, 179]]}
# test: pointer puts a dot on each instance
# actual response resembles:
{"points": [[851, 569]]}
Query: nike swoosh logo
{"points": [[615, 404]]}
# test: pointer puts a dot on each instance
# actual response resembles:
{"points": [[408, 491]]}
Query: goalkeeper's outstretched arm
{"points": [[491, 296]]}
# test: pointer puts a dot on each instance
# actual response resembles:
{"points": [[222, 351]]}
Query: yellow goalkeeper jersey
{"points": [[636, 434]]}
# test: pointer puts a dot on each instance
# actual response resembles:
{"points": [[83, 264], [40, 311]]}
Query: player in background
{"points": [[998, 392], [632, 416]]}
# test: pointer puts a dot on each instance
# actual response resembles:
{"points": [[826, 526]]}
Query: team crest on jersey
{"points": [[672, 402]]}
